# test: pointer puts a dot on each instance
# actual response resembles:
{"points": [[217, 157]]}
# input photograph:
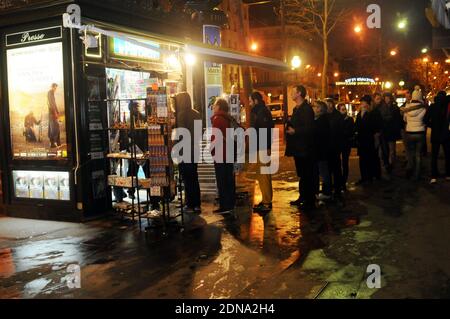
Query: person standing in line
{"points": [[224, 168], [54, 134], [390, 131], [348, 135], [408, 97], [322, 148], [186, 117], [336, 143], [414, 114], [300, 145], [438, 119], [366, 128], [261, 120]]}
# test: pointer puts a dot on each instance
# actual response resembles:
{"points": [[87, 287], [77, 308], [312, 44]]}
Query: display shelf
{"points": [[151, 132]]}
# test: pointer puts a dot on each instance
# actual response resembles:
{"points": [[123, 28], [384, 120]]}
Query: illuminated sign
{"points": [[122, 48], [358, 81], [33, 36]]}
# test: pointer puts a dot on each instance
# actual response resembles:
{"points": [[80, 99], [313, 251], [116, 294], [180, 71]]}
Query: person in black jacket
{"points": [[261, 120], [348, 134], [322, 149], [366, 127], [438, 119], [390, 130], [300, 145], [186, 117], [336, 143]]}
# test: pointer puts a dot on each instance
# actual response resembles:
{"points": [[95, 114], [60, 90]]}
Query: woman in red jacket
{"points": [[221, 120]]}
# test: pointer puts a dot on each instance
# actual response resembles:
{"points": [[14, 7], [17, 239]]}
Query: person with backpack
{"points": [[261, 121]]}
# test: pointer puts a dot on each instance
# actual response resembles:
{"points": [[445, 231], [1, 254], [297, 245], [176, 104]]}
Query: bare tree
{"points": [[317, 18]]}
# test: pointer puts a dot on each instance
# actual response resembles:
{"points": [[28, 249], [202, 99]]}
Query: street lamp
{"points": [[393, 52], [401, 83], [402, 24], [357, 29], [336, 74], [425, 60], [296, 62], [388, 85], [447, 61], [319, 74], [424, 50], [254, 46]]}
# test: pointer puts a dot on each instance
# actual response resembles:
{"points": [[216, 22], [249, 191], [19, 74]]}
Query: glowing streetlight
{"points": [[319, 74], [425, 60], [308, 66], [388, 85], [447, 61], [446, 72], [296, 62], [357, 29], [401, 83], [402, 24], [254, 46], [424, 50], [393, 52], [436, 63], [336, 74]]}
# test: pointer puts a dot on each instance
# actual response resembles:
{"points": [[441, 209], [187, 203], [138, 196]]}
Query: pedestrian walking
{"points": [[261, 121], [300, 145], [437, 118], [348, 135], [322, 147], [414, 114], [186, 118], [224, 167], [366, 128], [336, 144]]}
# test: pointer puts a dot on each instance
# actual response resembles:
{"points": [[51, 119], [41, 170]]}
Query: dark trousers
{"points": [[226, 185], [435, 148], [189, 175], [345, 164], [322, 170], [305, 172], [369, 164], [335, 168]]}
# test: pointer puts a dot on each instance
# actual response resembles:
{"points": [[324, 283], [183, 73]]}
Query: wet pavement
{"points": [[401, 226]]}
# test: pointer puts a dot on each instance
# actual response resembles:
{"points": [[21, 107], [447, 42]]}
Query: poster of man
{"points": [[36, 102]]}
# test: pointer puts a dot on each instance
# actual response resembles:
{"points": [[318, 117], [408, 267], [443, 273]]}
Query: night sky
{"points": [[343, 40]]}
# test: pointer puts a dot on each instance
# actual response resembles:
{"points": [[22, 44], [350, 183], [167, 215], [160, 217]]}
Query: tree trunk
{"points": [[325, 50], [325, 69]]}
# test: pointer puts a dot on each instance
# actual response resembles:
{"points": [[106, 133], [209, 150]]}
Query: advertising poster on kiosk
{"points": [[36, 102], [213, 72]]}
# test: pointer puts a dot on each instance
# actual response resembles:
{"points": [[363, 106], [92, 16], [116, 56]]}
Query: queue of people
{"points": [[320, 137]]}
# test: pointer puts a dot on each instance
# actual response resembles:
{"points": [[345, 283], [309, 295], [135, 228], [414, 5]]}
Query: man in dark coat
{"points": [[390, 130], [336, 121], [366, 127], [300, 145], [186, 118], [438, 119]]}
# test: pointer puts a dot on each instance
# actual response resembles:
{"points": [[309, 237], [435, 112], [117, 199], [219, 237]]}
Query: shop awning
{"points": [[220, 55]]}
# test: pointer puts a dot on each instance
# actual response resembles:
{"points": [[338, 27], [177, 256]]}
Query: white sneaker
{"points": [[322, 196], [433, 181]]}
